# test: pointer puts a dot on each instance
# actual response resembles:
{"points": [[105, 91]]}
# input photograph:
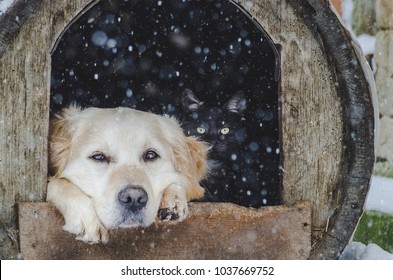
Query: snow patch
{"points": [[4, 5], [347, 9], [367, 43], [380, 195], [359, 251], [379, 198]]}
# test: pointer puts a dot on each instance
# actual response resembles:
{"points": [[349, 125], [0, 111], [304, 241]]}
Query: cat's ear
{"points": [[237, 103], [189, 101]]}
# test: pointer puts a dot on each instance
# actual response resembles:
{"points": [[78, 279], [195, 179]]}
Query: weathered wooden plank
{"points": [[328, 115], [212, 231], [12, 21], [312, 113], [30, 33], [384, 12]]}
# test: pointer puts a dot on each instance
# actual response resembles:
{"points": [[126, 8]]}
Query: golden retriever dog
{"points": [[121, 168]]}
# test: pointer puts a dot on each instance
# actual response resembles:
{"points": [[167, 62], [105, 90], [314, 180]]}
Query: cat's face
{"points": [[221, 127]]}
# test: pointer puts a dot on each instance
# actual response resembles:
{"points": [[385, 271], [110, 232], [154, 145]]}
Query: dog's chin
{"points": [[129, 221], [132, 222]]}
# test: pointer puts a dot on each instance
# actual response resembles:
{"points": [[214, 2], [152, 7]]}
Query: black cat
{"points": [[223, 128]]}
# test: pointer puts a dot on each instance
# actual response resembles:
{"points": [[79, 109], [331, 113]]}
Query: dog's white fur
{"points": [[85, 188]]}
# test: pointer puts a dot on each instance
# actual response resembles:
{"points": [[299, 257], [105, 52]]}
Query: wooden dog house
{"points": [[327, 128]]}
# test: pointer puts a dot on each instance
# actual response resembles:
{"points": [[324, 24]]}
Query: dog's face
{"points": [[123, 160]]}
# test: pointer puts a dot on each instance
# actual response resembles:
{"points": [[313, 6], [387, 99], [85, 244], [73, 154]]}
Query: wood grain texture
{"points": [[384, 12], [356, 89], [12, 21], [328, 116], [212, 231], [312, 114], [32, 30]]}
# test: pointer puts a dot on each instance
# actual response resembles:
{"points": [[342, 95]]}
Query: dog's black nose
{"points": [[133, 198]]}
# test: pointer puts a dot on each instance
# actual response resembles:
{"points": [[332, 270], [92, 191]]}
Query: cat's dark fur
{"points": [[223, 128]]}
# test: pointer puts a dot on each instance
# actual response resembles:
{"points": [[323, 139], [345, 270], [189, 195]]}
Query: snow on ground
{"points": [[379, 198], [359, 251], [367, 42], [4, 5], [380, 195]]}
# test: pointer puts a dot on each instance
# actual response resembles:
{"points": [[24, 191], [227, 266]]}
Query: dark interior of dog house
{"points": [[207, 63]]}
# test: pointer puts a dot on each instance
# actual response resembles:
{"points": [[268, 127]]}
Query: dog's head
{"points": [[124, 159]]}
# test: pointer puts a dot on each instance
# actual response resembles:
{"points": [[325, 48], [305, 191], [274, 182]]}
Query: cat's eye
{"points": [[150, 155], [201, 130], [225, 130], [100, 157]]}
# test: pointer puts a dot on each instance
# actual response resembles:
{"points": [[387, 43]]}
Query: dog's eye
{"points": [[150, 155], [100, 157]]}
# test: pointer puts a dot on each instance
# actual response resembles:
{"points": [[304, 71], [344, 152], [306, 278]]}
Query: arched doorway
{"points": [[161, 56]]}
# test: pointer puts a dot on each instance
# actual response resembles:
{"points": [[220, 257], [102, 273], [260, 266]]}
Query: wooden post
{"points": [[384, 81], [28, 33], [363, 17]]}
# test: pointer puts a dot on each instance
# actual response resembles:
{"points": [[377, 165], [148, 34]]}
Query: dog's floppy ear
{"points": [[193, 160], [60, 140], [190, 156]]}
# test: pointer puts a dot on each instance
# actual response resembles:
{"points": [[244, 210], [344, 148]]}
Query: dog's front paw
{"points": [[78, 211], [81, 219], [173, 205], [99, 235]]}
